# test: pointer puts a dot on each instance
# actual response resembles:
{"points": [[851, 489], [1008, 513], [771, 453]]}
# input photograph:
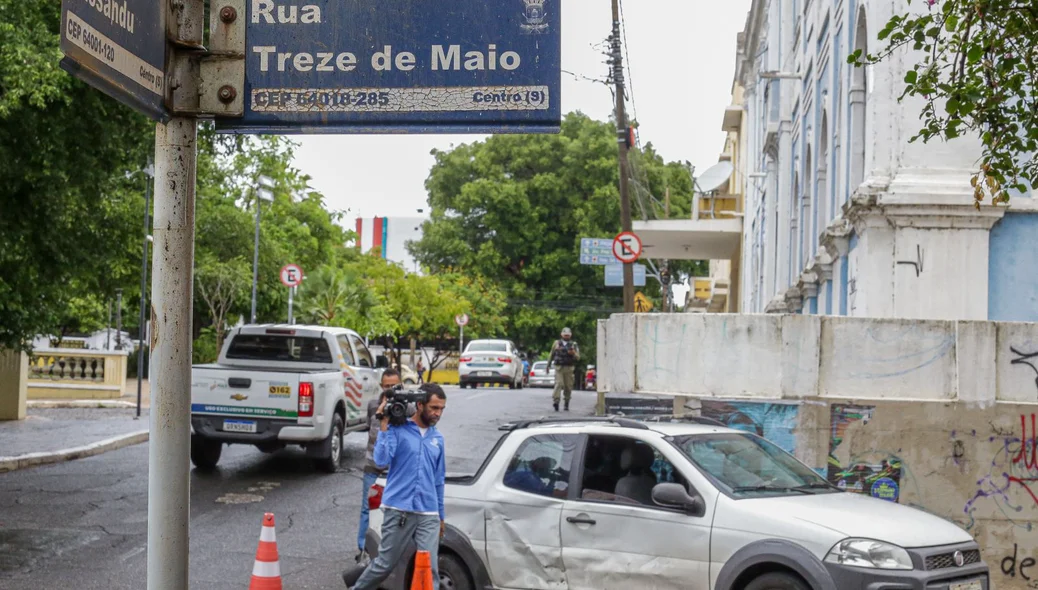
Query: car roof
{"points": [[301, 329], [616, 424]]}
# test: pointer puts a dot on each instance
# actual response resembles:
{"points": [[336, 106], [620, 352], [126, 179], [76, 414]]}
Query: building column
{"points": [[14, 378]]}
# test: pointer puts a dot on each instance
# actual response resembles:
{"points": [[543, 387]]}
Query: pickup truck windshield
{"points": [[748, 465], [264, 347]]}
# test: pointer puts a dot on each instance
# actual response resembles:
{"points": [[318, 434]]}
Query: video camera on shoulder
{"points": [[401, 403]]}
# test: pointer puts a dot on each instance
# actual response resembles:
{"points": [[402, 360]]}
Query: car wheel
{"points": [[205, 452], [453, 573], [332, 448], [777, 581]]}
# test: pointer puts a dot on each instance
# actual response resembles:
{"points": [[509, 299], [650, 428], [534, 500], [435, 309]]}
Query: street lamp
{"points": [[263, 193], [149, 171]]}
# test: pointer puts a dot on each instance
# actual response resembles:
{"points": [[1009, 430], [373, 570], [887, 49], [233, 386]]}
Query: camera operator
{"points": [[390, 379], [564, 356], [414, 452]]}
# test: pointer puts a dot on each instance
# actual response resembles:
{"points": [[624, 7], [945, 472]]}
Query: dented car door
{"points": [[615, 536], [524, 511]]}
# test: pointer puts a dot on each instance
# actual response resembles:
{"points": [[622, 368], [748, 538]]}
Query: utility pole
{"points": [[616, 60], [172, 287]]}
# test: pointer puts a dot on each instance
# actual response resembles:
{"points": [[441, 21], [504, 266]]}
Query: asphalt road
{"points": [[84, 523]]}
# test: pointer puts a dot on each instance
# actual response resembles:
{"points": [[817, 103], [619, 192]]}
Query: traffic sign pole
{"points": [[169, 465], [291, 292]]}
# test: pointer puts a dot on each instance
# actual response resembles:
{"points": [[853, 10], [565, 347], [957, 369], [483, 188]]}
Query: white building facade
{"points": [[844, 215]]}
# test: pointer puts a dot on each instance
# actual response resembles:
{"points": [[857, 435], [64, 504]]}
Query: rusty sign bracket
{"points": [[219, 72]]}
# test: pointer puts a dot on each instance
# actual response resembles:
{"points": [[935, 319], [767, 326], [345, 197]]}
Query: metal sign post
{"points": [[169, 465], [291, 277], [462, 320]]}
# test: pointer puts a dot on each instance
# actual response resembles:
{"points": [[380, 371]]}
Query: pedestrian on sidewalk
{"points": [[413, 499], [421, 371], [390, 378], [564, 356]]}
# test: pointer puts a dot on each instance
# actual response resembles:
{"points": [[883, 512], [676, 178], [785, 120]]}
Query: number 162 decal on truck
{"points": [[279, 385]]}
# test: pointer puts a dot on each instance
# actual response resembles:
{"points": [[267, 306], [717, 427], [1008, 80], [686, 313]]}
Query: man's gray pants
{"points": [[397, 529]]}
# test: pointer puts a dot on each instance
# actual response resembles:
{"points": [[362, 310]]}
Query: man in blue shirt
{"points": [[413, 499]]}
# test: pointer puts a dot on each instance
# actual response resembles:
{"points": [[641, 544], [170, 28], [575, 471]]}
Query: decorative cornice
{"points": [[777, 305], [836, 238]]}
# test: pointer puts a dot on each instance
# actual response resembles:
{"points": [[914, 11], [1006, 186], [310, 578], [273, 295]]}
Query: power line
{"points": [[627, 56]]}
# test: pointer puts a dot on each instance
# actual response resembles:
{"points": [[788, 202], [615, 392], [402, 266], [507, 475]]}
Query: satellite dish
{"points": [[714, 177]]}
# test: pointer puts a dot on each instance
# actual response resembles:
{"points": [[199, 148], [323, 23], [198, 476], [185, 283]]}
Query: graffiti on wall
{"points": [[775, 422], [1011, 484], [1025, 358], [880, 479]]}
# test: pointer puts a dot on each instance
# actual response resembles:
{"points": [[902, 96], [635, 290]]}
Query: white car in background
{"points": [[490, 361], [541, 375]]}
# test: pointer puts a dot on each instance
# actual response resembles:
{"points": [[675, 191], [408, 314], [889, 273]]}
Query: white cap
{"points": [[566, 332]]}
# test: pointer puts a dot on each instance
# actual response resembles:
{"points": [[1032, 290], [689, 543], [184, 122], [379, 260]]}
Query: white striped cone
{"points": [[266, 572]]}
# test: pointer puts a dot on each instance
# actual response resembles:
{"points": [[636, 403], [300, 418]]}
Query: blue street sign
{"points": [[614, 275], [597, 251], [118, 47], [406, 66]]}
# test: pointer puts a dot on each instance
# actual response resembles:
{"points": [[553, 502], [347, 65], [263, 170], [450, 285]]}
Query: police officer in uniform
{"points": [[564, 356]]}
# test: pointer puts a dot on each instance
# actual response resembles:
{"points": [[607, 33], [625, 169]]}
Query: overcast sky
{"points": [[682, 59]]}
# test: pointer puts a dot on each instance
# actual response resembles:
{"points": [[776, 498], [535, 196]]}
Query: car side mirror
{"points": [[674, 495], [381, 362]]}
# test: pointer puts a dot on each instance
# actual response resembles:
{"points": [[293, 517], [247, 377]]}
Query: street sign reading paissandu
{"points": [[401, 66], [118, 47]]}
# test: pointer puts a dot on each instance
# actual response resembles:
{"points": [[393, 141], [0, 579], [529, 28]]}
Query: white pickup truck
{"points": [[279, 385]]}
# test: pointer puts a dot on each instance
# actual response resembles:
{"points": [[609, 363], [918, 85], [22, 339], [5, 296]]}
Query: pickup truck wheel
{"points": [[332, 448], [205, 453], [777, 581], [453, 573]]}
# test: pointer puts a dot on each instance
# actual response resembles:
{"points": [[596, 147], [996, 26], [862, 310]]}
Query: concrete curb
{"points": [[81, 403], [37, 459]]}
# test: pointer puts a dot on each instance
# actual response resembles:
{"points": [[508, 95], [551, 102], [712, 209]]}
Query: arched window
{"points": [[822, 183], [793, 225], [805, 215], [859, 102]]}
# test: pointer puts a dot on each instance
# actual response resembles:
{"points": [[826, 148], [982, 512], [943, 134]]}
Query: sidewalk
{"points": [[62, 430]]}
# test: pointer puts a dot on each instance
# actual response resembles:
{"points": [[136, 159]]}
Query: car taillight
{"points": [[504, 359], [375, 497], [533, 373], [306, 400], [465, 359]]}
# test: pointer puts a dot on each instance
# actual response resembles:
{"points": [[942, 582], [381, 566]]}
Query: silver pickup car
{"points": [[604, 504]]}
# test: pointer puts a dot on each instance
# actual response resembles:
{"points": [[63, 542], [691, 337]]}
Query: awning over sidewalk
{"points": [[687, 239]]}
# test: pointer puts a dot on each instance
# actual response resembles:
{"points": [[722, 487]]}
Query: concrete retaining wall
{"points": [[934, 414]]}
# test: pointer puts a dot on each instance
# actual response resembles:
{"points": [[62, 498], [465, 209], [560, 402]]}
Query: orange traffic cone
{"points": [[266, 572], [422, 579]]}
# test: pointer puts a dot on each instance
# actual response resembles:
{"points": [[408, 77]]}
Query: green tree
{"points": [[69, 217], [221, 285], [512, 209], [976, 75]]}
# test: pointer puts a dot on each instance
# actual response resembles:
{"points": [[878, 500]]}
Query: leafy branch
{"points": [[977, 75]]}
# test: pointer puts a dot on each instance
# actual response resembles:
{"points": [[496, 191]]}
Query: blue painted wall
{"points": [[1013, 269], [828, 298], [843, 285]]}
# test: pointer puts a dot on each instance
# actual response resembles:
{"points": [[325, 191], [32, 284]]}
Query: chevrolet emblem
{"points": [[239, 397]]}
